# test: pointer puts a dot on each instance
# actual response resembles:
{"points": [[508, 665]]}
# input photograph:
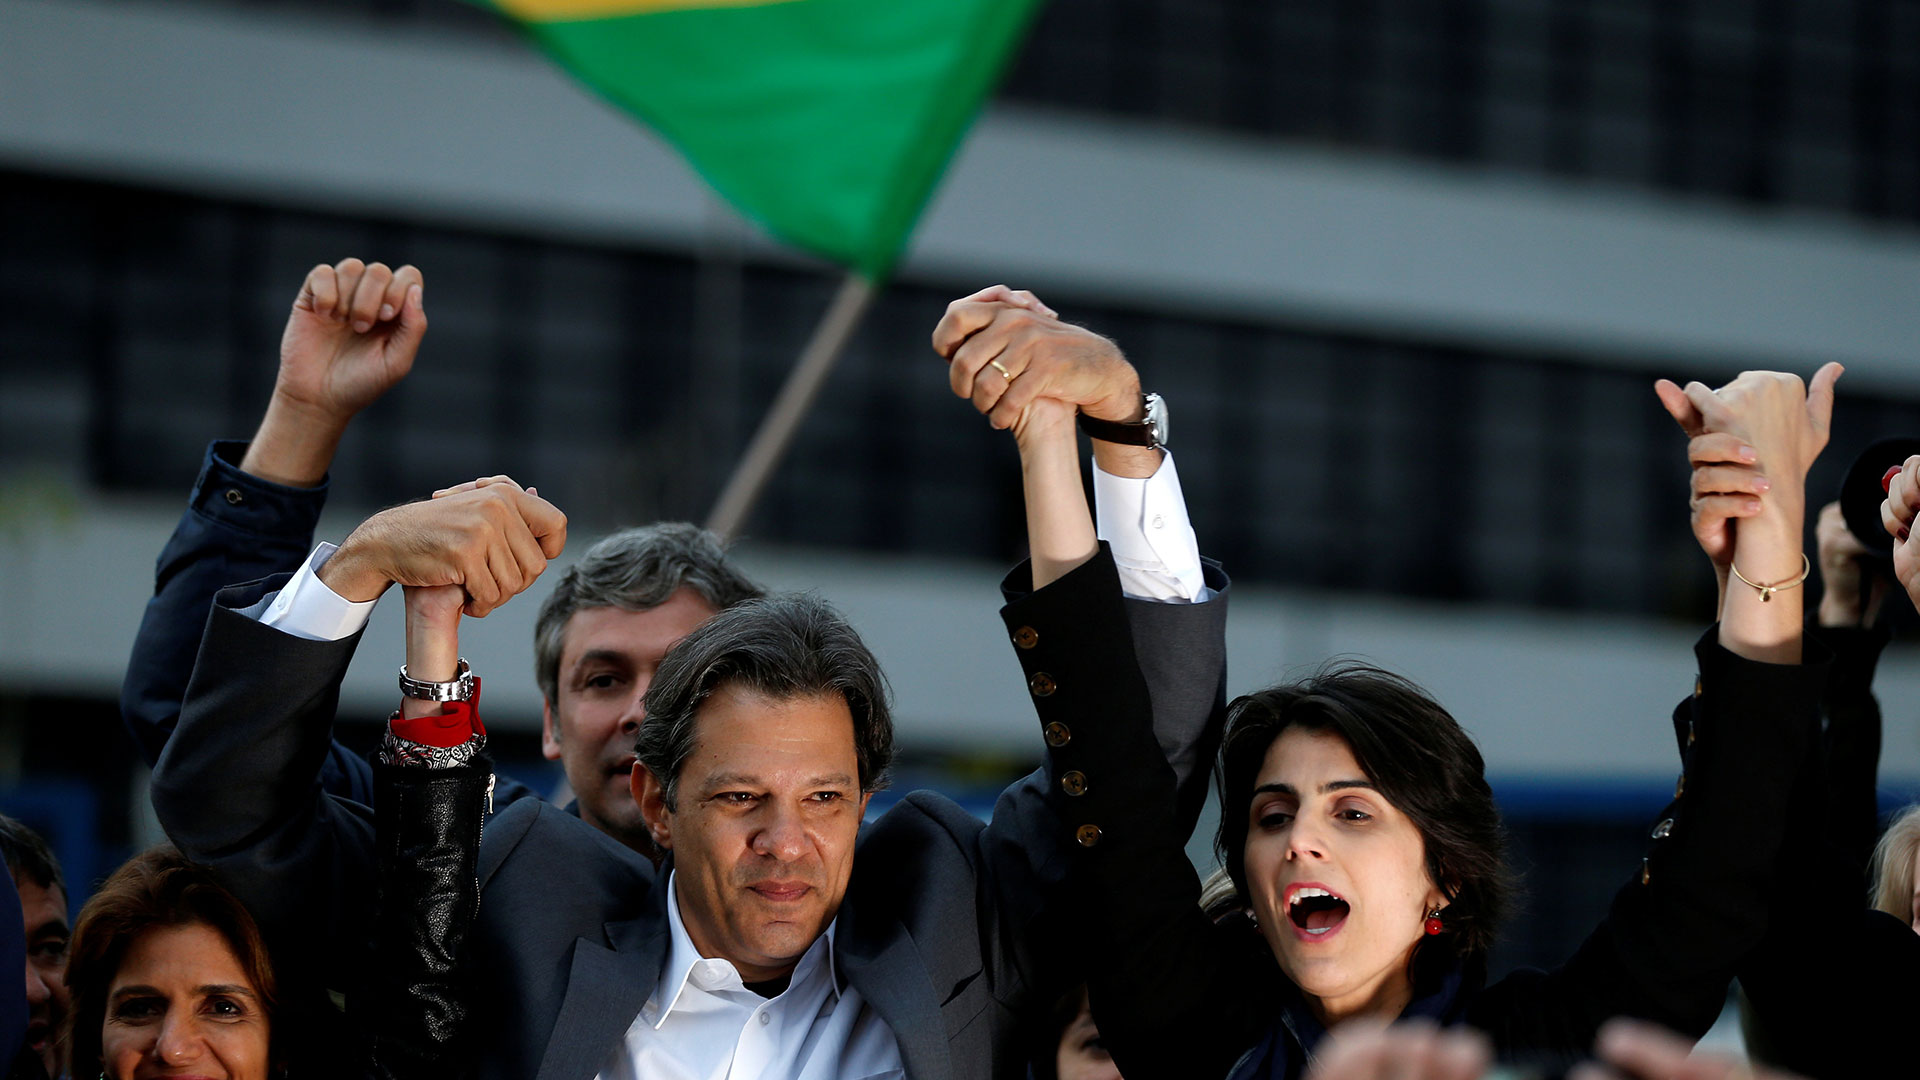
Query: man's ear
{"points": [[549, 732], [652, 798]]}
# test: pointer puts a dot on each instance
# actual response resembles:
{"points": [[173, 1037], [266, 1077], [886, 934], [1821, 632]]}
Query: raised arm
{"points": [[1784, 424], [1174, 996], [237, 786], [1130, 627], [1727, 487], [352, 334], [1030, 372], [433, 781], [1697, 905]]}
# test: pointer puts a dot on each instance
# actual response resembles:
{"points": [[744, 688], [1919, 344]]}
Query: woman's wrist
{"points": [[1769, 546], [1763, 617], [433, 642], [1060, 533]]}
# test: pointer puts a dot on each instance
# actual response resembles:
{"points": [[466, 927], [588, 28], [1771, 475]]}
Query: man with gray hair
{"points": [[601, 635]]}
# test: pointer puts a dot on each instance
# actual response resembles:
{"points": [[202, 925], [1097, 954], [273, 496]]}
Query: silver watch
{"points": [[459, 688]]}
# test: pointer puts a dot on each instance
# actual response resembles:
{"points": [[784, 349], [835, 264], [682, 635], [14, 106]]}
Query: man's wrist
{"points": [[352, 576], [295, 443], [1126, 405], [1132, 462]]}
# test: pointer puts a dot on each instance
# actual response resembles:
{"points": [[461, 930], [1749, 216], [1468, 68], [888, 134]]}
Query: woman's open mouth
{"points": [[1315, 911]]}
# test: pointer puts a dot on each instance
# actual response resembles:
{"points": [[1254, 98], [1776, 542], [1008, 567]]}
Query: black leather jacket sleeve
{"points": [[427, 836]]}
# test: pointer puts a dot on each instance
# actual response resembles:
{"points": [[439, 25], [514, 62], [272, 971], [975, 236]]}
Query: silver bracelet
{"points": [[459, 688]]}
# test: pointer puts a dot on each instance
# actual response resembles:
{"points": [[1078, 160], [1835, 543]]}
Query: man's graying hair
{"points": [[635, 570], [782, 647]]}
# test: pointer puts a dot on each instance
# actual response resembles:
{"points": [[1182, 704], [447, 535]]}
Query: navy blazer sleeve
{"points": [[236, 528]]}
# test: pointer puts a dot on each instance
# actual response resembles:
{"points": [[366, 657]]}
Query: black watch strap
{"points": [[1142, 433]]}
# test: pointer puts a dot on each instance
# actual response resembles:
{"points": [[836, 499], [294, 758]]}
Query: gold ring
{"points": [[1001, 368]]}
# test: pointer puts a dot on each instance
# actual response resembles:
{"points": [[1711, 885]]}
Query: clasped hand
{"points": [[489, 536], [1750, 443], [1009, 354]]}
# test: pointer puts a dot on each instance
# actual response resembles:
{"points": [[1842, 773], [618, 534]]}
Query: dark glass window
{"points": [[135, 325]]}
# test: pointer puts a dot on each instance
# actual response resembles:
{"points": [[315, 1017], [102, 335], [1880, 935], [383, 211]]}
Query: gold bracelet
{"points": [[1767, 591]]}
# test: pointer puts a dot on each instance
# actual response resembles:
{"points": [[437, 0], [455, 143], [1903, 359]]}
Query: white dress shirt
{"points": [[1144, 521], [702, 1023]]}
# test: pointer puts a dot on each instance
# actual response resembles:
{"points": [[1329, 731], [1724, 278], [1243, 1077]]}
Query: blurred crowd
{"points": [[716, 900]]}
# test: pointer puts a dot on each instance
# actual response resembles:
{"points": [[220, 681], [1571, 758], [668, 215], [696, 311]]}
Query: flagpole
{"points": [[769, 443]]}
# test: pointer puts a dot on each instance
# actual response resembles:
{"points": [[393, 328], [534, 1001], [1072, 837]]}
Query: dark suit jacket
{"points": [[952, 929]]}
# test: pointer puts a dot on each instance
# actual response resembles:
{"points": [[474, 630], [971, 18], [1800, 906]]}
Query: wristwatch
{"points": [[459, 688], [1149, 432]]}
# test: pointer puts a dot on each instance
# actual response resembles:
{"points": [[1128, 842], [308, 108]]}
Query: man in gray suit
{"points": [[781, 936]]}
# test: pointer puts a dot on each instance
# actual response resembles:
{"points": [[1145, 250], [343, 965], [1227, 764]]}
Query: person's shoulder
{"points": [[922, 831], [920, 811], [532, 837]]}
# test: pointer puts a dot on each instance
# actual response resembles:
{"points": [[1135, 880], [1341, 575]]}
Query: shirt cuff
{"points": [[1145, 523], [306, 608]]}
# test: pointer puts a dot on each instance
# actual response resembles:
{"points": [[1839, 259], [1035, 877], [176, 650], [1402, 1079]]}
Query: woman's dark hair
{"points": [[1415, 755], [156, 889], [1043, 1046]]}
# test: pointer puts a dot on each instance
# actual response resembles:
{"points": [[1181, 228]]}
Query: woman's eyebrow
{"points": [[1344, 785], [229, 989]]}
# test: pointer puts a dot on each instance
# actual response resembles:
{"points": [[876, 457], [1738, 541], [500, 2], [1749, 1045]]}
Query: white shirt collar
{"points": [[718, 975]]}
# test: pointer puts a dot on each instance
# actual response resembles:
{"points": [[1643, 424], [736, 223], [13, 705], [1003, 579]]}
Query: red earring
{"points": [[1434, 925]]}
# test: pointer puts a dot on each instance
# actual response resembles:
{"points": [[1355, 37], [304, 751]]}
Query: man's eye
{"points": [[736, 798], [602, 682], [827, 796], [49, 952]]}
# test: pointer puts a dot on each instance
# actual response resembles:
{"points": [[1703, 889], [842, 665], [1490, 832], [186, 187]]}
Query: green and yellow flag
{"points": [[827, 121]]}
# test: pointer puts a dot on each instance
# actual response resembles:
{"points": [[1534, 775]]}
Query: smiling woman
{"points": [[169, 977]]}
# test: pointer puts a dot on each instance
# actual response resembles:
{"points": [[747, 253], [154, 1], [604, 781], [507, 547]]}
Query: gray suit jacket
{"points": [[953, 930]]}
